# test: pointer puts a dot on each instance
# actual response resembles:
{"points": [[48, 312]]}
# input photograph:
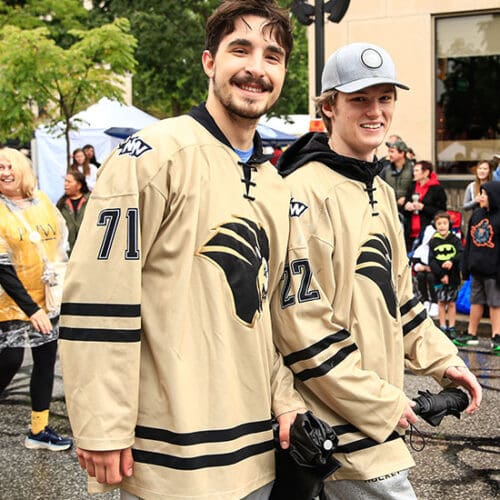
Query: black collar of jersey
{"points": [[204, 118], [314, 147]]}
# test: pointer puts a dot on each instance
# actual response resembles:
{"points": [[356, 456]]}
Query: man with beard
{"points": [[170, 372]]}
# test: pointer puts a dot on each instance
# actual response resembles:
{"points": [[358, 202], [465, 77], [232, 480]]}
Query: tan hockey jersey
{"points": [[347, 321], [166, 341]]}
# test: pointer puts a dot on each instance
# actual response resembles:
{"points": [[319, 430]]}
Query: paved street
{"points": [[461, 459]]}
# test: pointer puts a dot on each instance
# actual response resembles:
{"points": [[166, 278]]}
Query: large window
{"points": [[467, 91]]}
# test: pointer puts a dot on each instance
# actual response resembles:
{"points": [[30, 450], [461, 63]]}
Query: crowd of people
{"points": [[213, 291]]}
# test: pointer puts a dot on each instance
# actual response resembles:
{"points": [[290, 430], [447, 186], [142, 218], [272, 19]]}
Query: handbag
{"points": [[53, 273]]}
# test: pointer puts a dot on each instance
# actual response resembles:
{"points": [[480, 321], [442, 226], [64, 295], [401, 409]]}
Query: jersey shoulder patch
{"points": [[133, 146], [297, 208]]}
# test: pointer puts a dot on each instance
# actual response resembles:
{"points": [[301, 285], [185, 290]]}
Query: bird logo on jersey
{"points": [[240, 248], [482, 234], [375, 262]]}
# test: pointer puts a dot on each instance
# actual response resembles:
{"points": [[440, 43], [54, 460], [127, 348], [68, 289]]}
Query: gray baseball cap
{"points": [[356, 66]]}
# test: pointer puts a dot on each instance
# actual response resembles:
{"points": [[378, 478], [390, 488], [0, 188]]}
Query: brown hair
{"points": [[86, 164], [477, 182], [442, 215], [426, 165], [222, 21], [21, 165]]}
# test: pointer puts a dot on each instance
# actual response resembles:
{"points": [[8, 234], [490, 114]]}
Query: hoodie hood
{"points": [[492, 188], [314, 147]]}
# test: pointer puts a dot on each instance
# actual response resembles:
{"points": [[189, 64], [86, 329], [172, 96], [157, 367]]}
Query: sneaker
{"points": [[427, 305], [48, 439], [495, 344], [465, 339], [451, 332], [433, 310]]}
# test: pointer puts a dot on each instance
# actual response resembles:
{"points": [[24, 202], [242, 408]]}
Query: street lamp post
{"points": [[307, 14]]}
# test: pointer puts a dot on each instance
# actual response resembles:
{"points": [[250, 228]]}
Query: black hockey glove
{"points": [[302, 468], [434, 407]]}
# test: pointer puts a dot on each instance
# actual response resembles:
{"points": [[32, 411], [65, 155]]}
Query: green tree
{"points": [[170, 34], [36, 73]]}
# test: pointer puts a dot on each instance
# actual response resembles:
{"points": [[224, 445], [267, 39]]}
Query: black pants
{"points": [[426, 282], [42, 375]]}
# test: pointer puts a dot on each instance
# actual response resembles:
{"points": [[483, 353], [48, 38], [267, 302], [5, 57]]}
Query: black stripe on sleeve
{"points": [[326, 366], [105, 310], [203, 461], [316, 348], [99, 334], [406, 307], [363, 444], [209, 436], [419, 318]]}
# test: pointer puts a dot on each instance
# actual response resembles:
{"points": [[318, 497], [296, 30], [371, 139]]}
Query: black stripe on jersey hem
{"points": [[210, 436], [326, 366], [316, 348], [363, 444], [105, 310], [99, 334], [417, 320], [406, 307], [203, 461]]}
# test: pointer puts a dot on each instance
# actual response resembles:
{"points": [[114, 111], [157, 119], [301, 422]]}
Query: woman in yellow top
{"points": [[32, 240]]}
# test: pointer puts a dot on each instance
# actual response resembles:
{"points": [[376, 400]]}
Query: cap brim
{"points": [[351, 87]]}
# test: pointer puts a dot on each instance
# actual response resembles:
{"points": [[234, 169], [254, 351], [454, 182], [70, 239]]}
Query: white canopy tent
{"points": [[50, 148]]}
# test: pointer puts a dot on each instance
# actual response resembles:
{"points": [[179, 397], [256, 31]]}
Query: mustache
{"points": [[245, 80]]}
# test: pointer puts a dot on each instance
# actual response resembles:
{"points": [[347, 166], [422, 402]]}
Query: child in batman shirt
{"points": [[445, 253]]}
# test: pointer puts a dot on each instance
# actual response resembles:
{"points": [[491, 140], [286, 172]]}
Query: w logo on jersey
{"points": [[133, 146], [241, 249], [375, 262], [297, 208]]}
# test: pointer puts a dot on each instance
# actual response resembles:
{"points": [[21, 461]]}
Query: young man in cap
{"points": [[399, 172], [347, 321], [170, 370]]}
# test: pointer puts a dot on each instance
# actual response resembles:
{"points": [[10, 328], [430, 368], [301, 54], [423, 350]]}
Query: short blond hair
{"points": [[327, 97], [21, 165]]}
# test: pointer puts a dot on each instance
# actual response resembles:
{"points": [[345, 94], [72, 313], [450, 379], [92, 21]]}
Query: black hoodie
{"points": [[314, 147], [482, 249]]}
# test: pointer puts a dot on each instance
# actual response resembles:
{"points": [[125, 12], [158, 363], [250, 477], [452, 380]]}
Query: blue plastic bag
{"points": [[463, 299]]}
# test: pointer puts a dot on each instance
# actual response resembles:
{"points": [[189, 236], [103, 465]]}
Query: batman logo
{"points": [[240, 248], [482, 234], [375, 262], [444, 252]]}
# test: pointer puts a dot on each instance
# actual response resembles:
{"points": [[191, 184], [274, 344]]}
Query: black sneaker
{"points": [[48, 439], [451, 332], [465, 340], [495, 344]]}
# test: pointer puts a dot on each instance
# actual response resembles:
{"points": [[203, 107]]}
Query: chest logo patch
{"points": [[297, 208], [444, 252], [240, 248], [482, 234], [133, 146], [375, 262]]}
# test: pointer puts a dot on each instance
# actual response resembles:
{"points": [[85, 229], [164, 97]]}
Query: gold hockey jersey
{"points": [[347, 321], [166, 341]]}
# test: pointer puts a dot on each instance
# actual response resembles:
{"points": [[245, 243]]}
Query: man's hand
{"points": [[408, 416], [41, 322], [285, 421], [108, 467], [462, 376]]}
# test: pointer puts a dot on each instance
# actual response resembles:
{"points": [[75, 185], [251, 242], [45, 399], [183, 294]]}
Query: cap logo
{"points": [[371, 58]]}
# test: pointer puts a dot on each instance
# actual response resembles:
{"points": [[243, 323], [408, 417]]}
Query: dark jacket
{"points": [[73, 219], [482, 248], [434, 201], [442, 250], [399, 180]]}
